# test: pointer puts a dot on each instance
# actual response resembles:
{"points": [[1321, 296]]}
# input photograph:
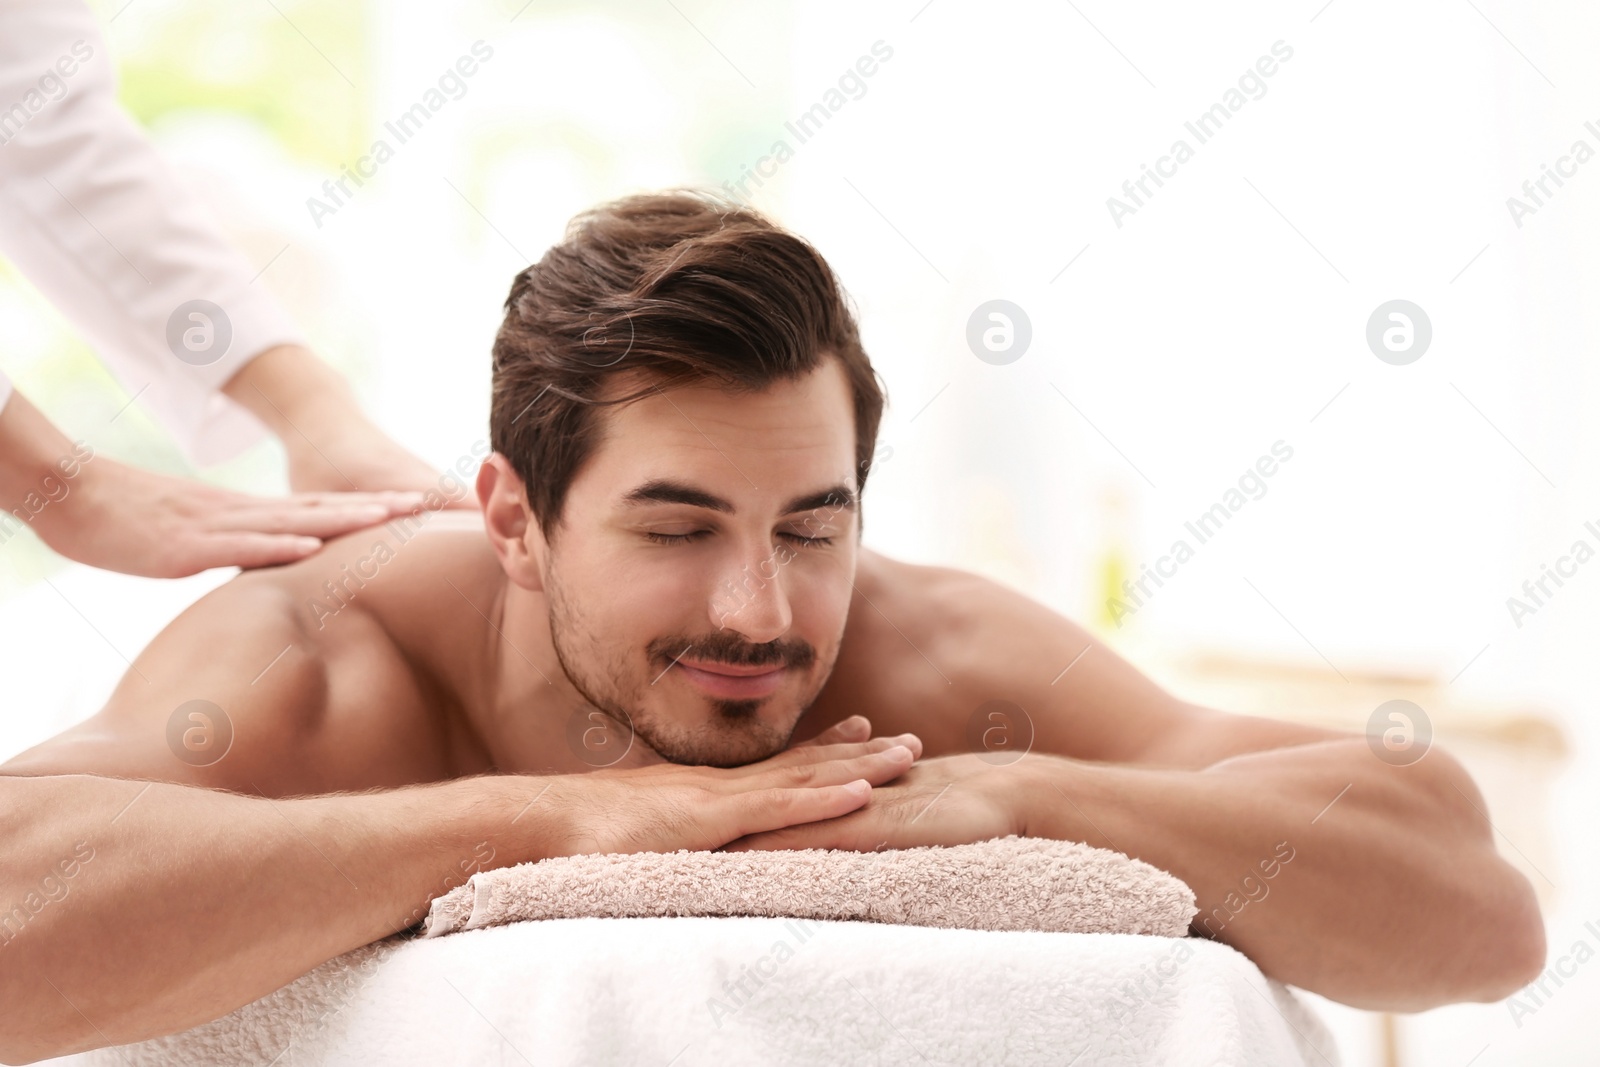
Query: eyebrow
{"points": [[666, 491]]}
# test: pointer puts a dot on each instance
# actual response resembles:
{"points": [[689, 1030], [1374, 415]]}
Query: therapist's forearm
{"points": [[37, 462], [332, 446], [296, 394], [1393, 898]]}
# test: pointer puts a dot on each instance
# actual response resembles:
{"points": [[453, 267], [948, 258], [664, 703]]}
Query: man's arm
{"points": [[135, 909], [1375, 885], [147, 885]]}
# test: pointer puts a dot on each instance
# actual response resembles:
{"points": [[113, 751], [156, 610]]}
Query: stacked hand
{"points": [[667, 806], [838, 790], [948, 800]]}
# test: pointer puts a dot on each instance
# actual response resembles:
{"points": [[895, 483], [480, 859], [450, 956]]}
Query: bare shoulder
{"points": [[935, 648], [958, 618], [915, 655], [288, 680], [998, 651]]}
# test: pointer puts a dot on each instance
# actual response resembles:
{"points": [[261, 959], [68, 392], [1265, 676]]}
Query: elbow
{"points": [[1499, 944], [1500, 939], [1516, 951]]}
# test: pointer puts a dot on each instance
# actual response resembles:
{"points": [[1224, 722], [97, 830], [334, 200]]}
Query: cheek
{"points": [[820, 595], [623, 589]]}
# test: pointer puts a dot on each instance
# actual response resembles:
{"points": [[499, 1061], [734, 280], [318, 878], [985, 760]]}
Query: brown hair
{"points": [[683, 286]]}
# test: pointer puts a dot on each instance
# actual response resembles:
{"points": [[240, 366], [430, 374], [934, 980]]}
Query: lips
{"points": [[729, 682]]}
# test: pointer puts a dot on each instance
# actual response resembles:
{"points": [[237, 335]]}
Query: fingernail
{"points": [[860, 785], [307, 544]]}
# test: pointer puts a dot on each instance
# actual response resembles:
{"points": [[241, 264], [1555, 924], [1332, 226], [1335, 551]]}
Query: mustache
{"points": [[728, 648]]}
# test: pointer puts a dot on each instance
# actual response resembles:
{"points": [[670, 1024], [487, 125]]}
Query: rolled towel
{"points": [[1007, 883]]}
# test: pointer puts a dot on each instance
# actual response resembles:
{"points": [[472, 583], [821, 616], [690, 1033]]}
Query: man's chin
{"points": [[717, 744]]}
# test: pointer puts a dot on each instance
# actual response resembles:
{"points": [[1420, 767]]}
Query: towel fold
{"points": [[1009, 883]]}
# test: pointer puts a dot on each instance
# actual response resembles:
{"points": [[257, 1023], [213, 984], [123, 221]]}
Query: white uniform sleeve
{"points": [[95, 219]]}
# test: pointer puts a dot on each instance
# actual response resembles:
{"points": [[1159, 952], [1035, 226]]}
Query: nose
{"points": [[751, 600]]}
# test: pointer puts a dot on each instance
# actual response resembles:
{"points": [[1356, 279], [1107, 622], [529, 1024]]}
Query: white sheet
{"points": [[651, 991]]}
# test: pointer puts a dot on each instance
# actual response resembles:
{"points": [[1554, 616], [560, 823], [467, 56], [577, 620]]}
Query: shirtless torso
{"points": [[418, 678], [384, 661]]}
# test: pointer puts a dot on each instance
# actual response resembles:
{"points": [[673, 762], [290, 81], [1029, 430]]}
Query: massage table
{"points": [[723, 991]]}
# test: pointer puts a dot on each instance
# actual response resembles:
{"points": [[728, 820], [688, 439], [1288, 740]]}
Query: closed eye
{"points": [[809, 542], [679, 539], [675, 539]]}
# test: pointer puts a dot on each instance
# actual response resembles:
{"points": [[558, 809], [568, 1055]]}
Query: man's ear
{"points": [[510, 523]]}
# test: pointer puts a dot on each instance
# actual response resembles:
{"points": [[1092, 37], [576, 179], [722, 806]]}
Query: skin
{"points": [[348, 475], [332, 447], [456, 701]]}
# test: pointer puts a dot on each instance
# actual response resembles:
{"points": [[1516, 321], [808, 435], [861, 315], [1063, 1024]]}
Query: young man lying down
{"points": [[666, 588]]}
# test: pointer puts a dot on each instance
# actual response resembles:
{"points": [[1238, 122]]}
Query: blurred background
{"points": [[1171, 342]]}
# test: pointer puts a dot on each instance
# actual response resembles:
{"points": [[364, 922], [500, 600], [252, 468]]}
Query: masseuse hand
{"points": [[97, 511], [667, 806], [122, 518], [949, 800]]}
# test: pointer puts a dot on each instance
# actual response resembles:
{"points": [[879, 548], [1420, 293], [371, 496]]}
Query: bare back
{"points": [[369, 665]]}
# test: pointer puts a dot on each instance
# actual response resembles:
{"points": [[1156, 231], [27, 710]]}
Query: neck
{"points": [[524, 714]]}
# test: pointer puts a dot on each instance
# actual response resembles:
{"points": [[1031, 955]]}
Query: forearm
{"points": [[295, 393], [36, 461], [331, 444], [29, 446], [193, 902], [1393, 897]]}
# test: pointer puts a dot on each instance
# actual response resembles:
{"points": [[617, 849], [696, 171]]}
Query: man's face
{"points": [[699, 579]]}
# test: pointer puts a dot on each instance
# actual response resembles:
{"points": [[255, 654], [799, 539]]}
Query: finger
{"points": [[855, 728], [839, 750], [876, 767], [858, 834], [390, 501], [807, 754], [843, 750], [773, 809], [245, 550], [764, 842], [305, 520], [395, 501], [385, 505]]}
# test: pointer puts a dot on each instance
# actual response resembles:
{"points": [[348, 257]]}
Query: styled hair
{"points": [[681, 287]]}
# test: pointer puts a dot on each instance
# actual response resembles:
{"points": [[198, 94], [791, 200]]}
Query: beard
{"points": [[736, 733]]}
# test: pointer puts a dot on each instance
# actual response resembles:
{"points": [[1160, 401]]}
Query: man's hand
{"points": [[667, 806], [951, 800]]}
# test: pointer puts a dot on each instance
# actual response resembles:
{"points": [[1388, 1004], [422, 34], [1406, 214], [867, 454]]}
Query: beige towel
{"points": [[1010, 883]]}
